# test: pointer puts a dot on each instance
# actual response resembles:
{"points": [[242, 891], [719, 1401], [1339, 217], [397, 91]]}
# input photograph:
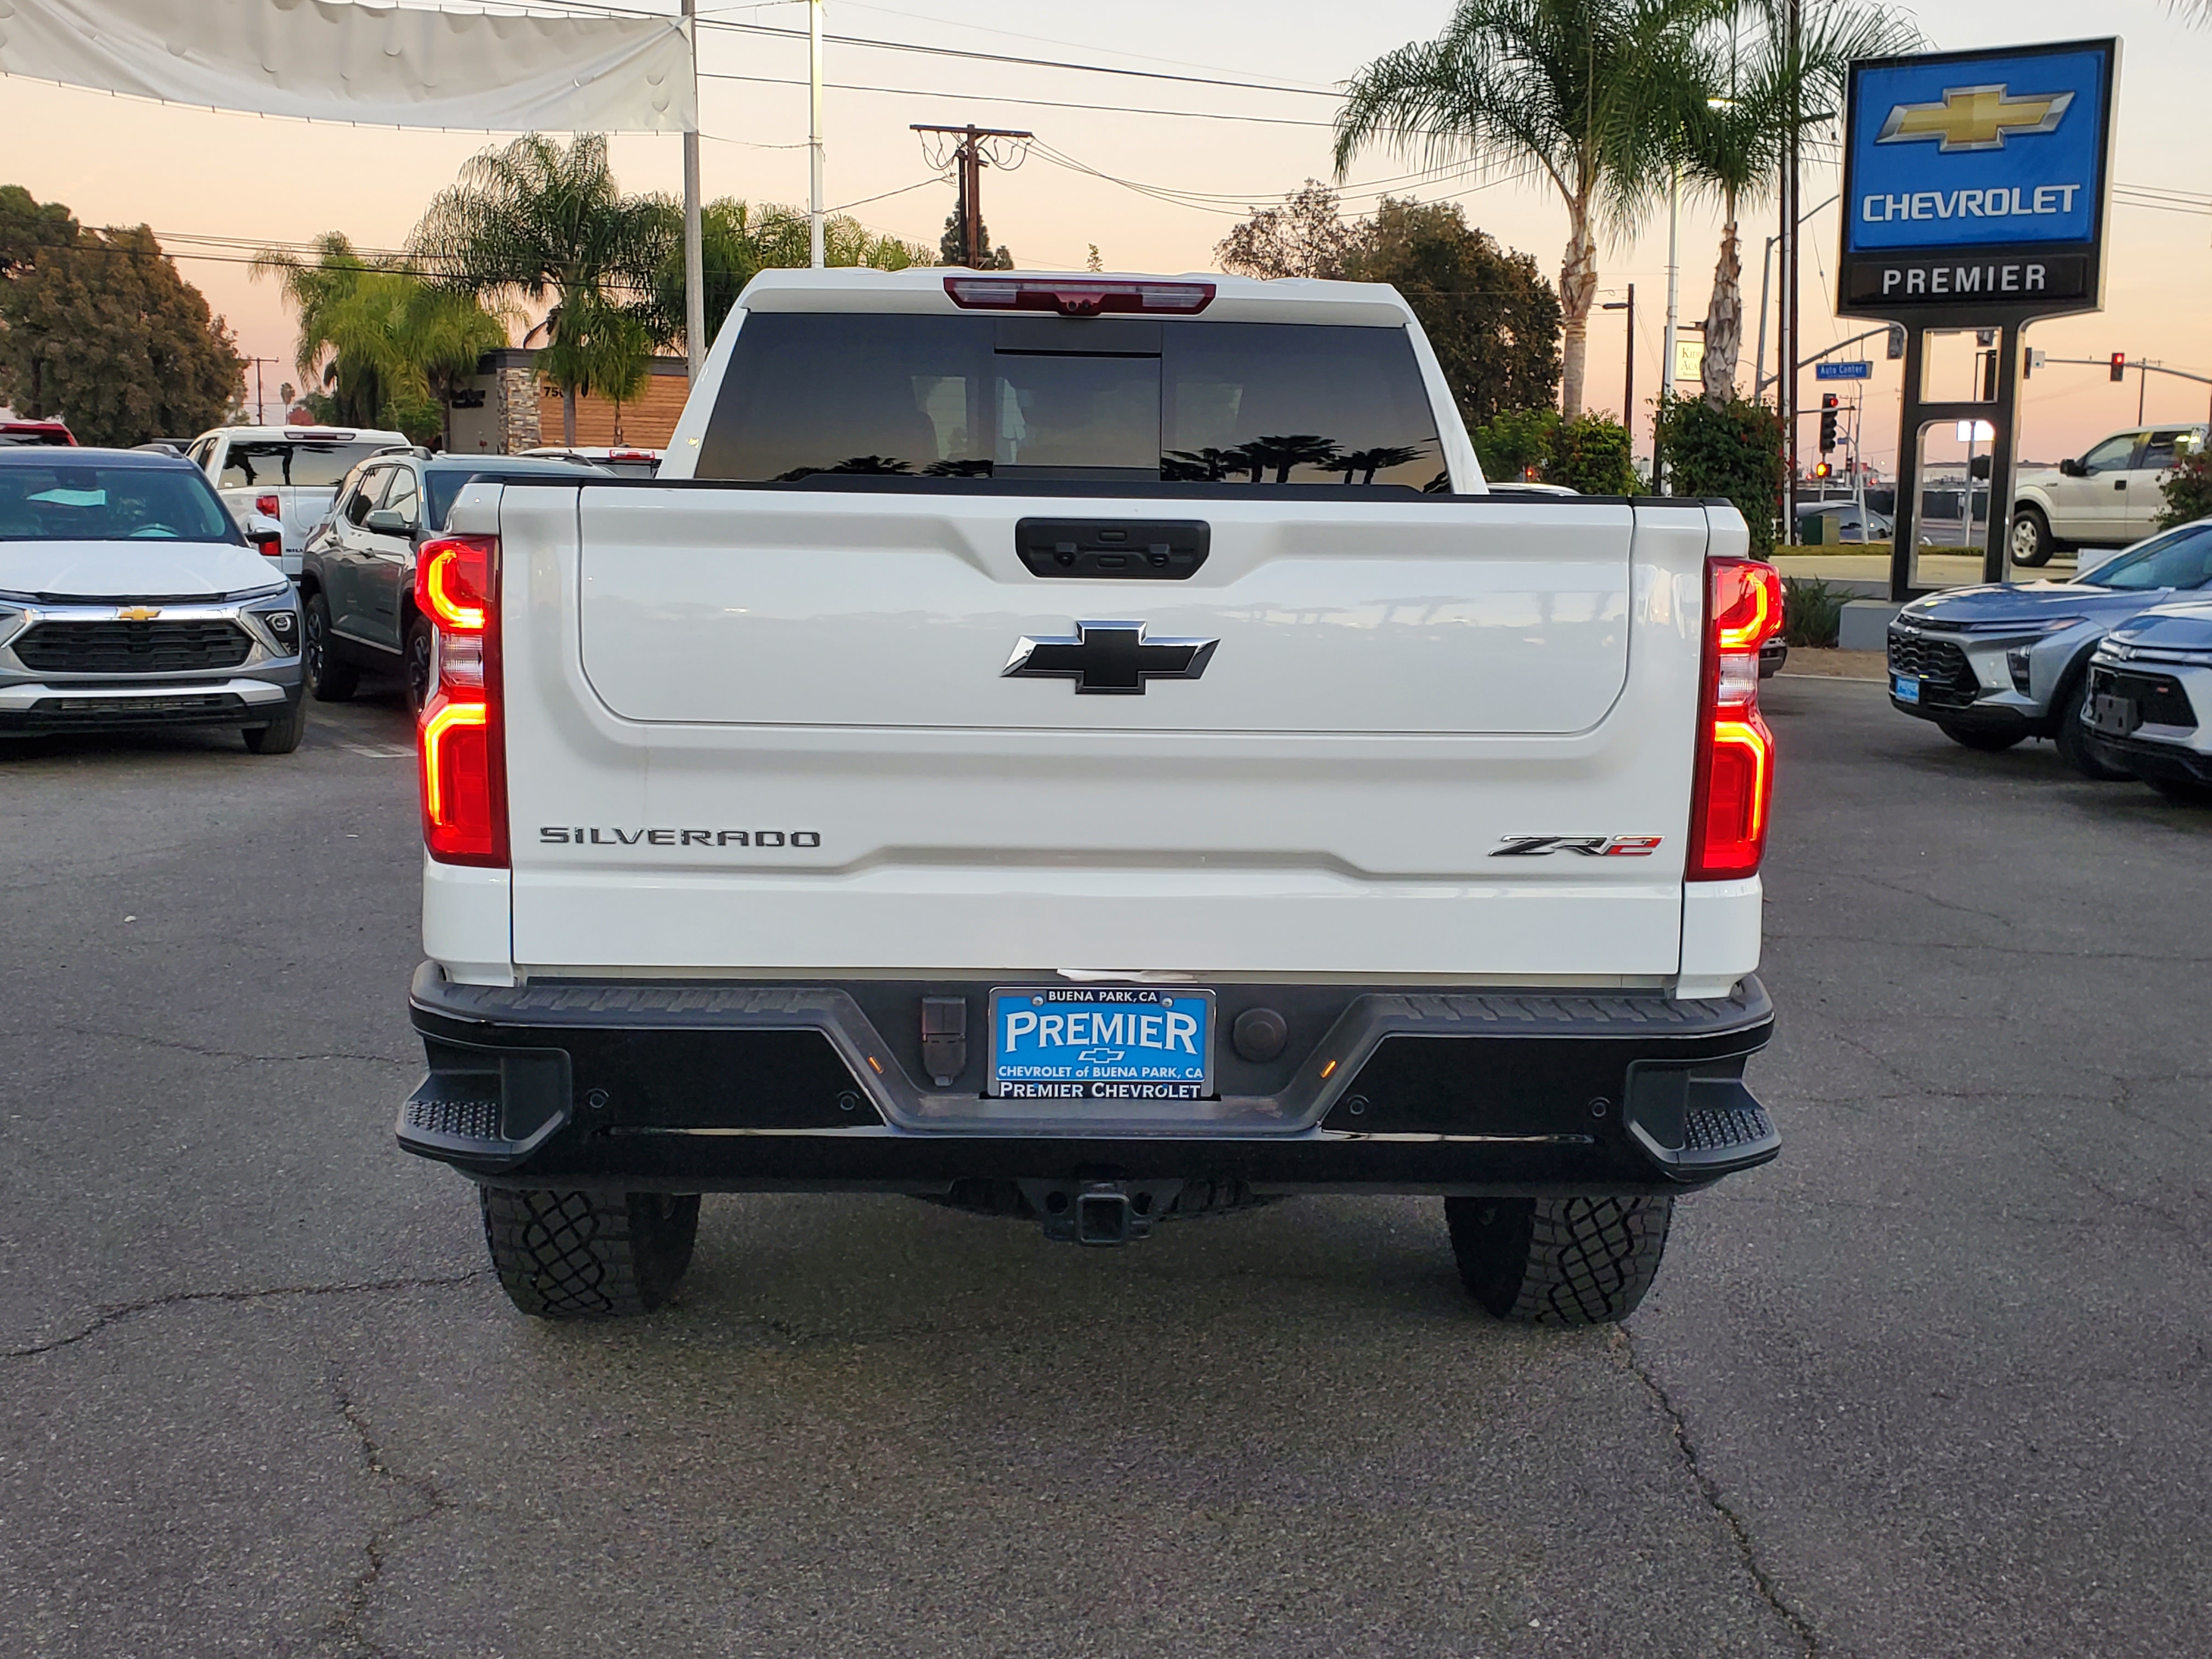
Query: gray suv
{"points": [[357, 570], [1992, 666]]}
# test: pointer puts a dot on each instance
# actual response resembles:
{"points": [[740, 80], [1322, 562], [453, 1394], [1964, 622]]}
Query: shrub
{"points": [[1812, 612], [2188, 490], [1734, 451], [1589, 453]]}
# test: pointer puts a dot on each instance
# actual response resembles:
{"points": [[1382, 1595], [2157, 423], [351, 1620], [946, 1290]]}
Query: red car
{"points": [[36, 432]]}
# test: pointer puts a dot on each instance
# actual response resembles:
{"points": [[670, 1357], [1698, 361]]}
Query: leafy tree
{"points": [[1584, 94], [1734, 133], [98, 328], [1306, 236], [952, 246], [1590, 454], [2187, 490], [740, 239], [1515, 445], [1735, 451], [1491, 317], [386, 348], [534, 220]]}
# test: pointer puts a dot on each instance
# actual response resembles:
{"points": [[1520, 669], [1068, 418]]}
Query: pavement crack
{"points": [[1710, 1491], [205, 1052], [121, 1311], [423, 1501]]}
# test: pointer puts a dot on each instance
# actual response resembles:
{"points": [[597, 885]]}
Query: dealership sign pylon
{"points": [[1976, 188]]}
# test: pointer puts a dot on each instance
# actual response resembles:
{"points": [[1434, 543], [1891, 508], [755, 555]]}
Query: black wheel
{"points": [[282, 735], [1989, 740], [328, 679], [1559, 1261], [414, 660], [2030, 537], [2183, 792], [588, 1256], [2075, 746]]}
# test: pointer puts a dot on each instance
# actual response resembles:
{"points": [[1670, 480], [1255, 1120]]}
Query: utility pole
{"points": [[1628, 377], [260, 403], [813, 131], [1786, 387], [694, 254], [967, 153], [1673, 283]]}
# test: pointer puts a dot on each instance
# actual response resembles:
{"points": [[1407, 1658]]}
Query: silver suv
{"points": [[1993, 666]]}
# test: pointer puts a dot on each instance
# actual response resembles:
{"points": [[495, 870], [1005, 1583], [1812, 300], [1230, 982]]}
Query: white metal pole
{"points": [[694, 254], [1674, 278], [814, 129]]}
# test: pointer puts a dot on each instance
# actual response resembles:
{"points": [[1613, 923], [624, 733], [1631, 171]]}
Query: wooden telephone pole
{"points": [[967, 153]]}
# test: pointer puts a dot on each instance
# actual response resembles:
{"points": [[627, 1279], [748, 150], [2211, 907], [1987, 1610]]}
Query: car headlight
{"points": [[284, 625], [2016, 665]]}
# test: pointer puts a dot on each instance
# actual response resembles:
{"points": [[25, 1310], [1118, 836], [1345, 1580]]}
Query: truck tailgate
{"points": [[769, 730]]}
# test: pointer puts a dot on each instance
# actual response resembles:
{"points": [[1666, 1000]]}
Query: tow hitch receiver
{"points": [[1099, 1211]]}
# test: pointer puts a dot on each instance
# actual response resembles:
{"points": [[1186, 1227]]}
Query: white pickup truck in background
{"points": [[2112, 495], [288, 473], [1090, 749]]}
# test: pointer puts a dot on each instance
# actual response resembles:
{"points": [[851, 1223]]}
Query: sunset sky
{"points": [[240, 179]]}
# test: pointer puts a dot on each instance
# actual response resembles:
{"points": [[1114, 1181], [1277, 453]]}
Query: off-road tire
{"points": [[2183, 792], [588, 1256], [328, 679], [2072, 738], [2030, 543], [1989, 740], [282, 735], [1559, 1261]]}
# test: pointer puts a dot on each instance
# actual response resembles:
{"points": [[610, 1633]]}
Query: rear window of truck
{"points": [[309, 466], [1104, 399]]}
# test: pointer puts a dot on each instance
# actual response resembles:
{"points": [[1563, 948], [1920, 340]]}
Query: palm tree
{"points": [[535, 220], [739, 240], [1733, 139], [387, 348], [1584, 94]]}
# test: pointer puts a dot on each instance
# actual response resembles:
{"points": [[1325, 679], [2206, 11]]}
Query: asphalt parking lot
{"points": [[1935, 1383]]}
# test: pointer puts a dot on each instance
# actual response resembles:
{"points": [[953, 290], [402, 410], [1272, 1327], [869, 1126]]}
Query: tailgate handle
{"points": [[1156, 550]]}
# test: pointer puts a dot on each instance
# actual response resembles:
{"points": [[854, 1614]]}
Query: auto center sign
{"points": [[1977, 180]]}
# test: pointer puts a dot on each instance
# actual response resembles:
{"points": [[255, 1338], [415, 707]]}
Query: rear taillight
{"points": [[268, 506], [1073, 297], [1734, 782], [271, 543], [463, 761]]}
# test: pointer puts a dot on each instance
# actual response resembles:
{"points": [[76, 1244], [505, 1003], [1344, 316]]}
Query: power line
{"points": [[1035, 103]]}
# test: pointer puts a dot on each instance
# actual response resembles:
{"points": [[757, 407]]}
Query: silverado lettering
{"points": [[558, 835]]}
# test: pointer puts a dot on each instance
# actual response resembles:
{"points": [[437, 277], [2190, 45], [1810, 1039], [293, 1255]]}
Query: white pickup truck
{"points": [[2113, 496], [288, 473], [1088, 749]]}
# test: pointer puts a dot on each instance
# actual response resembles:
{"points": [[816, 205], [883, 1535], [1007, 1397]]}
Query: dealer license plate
{"points": [[1906, 688], [2115, 716], [1089, 1044]]}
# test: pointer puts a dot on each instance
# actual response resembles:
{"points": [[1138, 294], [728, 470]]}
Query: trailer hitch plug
{"points": [[1099, 1212]]}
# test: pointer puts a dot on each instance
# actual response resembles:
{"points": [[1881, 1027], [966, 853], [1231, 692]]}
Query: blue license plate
{"points": [[1906, 688], [1138, 1044]]}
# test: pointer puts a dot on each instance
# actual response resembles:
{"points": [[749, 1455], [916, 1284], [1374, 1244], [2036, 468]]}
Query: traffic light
{"points": [[1827, 421], [1821, 469], [2119, 365]]}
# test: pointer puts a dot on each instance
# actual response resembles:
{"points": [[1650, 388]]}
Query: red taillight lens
{"points": [[463, 761], [268, 506], [1072, 296], [1734, 781], [271, 543]]}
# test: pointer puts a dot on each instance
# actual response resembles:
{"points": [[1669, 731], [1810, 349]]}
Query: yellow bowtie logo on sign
{"points": [[1973, 118]]}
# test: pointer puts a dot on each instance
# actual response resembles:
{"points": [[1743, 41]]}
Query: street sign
{"points": [[1859, 371], [1975, 182]]}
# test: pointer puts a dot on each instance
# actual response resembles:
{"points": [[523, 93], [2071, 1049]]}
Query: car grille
{"points": [[1946, 678], [132, 647], [2160, 697]]}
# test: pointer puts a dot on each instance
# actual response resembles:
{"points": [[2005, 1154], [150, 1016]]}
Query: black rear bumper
{"points": [[724, 1086]]}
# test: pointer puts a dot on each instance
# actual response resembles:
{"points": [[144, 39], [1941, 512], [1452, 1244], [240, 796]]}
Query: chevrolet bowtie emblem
{"points": [[138, 612], [1114, 658], [1973, 118]]}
